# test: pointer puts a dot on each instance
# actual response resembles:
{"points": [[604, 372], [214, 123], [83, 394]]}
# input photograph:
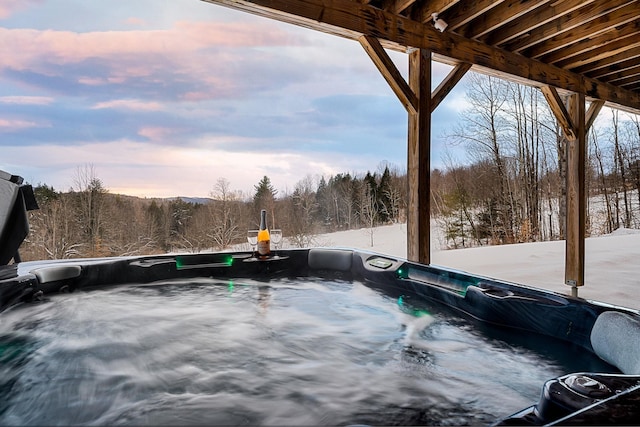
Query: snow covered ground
{"points": [[612, 272]]}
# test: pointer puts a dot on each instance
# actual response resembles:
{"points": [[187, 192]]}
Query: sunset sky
{"points": [[164, 97]]}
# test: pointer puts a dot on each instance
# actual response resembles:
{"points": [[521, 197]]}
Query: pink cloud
{"points": [[196, 96], [129, 104], [23, 47], [121, 56], [10, 125], [233, 34], [156, 133], [135, 21], [8, 7], [26, 100]]}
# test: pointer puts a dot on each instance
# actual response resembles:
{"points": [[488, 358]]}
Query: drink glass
{"points": [[276, 238], [252, 238]]}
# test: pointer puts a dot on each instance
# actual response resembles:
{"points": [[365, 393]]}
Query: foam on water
{"points": [[221, 352]]}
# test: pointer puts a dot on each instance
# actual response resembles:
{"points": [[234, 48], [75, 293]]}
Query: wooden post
{"points": [[419, 102], [419, 159], [576, 197], [575, 122]]}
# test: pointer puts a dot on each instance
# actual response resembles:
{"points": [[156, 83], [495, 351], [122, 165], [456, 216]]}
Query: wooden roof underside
{"points": [[581, 46]]}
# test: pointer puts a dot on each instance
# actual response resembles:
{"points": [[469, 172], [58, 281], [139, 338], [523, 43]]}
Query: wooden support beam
{"points": [[390, 72], [576, 198], [447, 85], [559, 110], [399, 86], [592, 113], [563, 116], [419, 159]]}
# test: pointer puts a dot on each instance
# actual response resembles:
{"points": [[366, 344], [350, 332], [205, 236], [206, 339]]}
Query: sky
{"points": [[164, 98]]}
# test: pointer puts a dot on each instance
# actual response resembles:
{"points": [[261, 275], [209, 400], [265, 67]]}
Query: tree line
{"points": [[511, 186], [508, 189], [89, 221]]}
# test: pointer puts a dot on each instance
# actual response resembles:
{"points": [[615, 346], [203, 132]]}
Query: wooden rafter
{"points": [[614, 63], [423, 11], [541, 15], [630, 80], [564, 23], [624, 77], [399, 6], [624, 15], [592, 49], [502, 14], [464, 12]]}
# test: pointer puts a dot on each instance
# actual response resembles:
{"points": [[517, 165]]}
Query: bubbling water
{"points": [[224, 352]]}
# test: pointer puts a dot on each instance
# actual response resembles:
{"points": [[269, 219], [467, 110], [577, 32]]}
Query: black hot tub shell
{"points": [[611, 333]]}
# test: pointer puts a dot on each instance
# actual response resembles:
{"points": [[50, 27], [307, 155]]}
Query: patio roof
{"points": [[591, 47]]}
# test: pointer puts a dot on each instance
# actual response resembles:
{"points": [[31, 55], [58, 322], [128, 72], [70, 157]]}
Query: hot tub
{"points": [[329, 336], [320, 336]]}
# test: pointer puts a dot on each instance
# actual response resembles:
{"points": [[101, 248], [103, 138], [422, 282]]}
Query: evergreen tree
{"points": [[264, 198], [157, 223], [324, 204], [44, 194], [385, 200], [264, 189]]}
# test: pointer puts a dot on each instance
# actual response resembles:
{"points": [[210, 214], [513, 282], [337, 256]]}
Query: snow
{"points": [[612, 271]]}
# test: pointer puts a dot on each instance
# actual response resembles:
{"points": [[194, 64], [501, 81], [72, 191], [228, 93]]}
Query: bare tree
{"points": [[224, 211], [620, 169], [485, 133], [53, 234], [90, 193], [302, 206], [598, 158], [368, 205]]}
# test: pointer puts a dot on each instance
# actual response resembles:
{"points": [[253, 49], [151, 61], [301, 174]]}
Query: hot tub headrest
{"points": [[330, 259], [615, 338], [57, 273]]}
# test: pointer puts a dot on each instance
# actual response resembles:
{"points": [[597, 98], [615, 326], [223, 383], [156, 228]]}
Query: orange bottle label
{"points": [[264, 243]]}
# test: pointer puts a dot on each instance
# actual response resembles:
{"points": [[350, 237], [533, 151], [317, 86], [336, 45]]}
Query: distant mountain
{"points": [[194, 200]]}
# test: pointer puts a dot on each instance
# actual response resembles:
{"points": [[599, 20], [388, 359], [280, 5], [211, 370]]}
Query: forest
{"points": [[508, 189]]}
